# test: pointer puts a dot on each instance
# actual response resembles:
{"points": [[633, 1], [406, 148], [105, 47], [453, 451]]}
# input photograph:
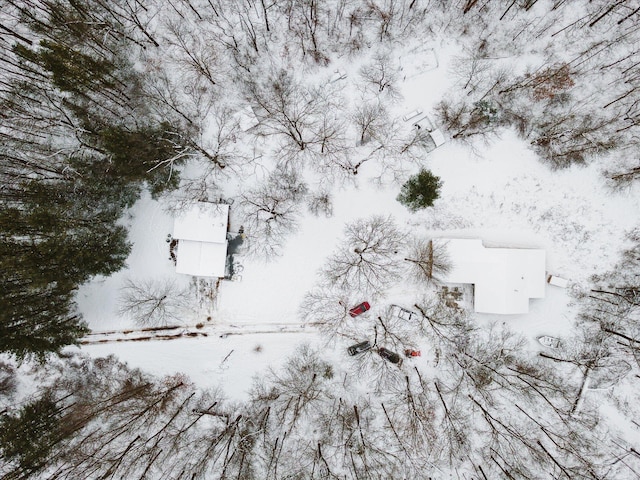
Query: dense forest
{"points": [[103, 100]]}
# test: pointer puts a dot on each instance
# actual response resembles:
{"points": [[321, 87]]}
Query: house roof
{"points": [[201, 259], [504, 278], [204, 222], [201, 232]]}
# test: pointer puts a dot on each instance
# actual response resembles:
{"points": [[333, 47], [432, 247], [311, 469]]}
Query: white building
{"points": [[504, 279], [201, 232]]}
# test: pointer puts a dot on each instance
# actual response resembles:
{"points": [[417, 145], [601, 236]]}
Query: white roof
{"points": [[202, 240], [204, 221], [504, 278], [438, 137], [201, 259], [558, 281]]}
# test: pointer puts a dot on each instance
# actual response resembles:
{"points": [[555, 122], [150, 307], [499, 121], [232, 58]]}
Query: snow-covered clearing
{"points": [[499, 192]]}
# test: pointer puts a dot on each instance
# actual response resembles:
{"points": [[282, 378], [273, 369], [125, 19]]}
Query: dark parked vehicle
{"points": [[390, 356], [359, 348], [363, 307]]}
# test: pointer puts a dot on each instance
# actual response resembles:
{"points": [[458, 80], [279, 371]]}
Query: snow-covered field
{"points": [[499, 192]]}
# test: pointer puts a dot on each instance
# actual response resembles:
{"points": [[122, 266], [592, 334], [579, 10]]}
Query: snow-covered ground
{"points": [[230, 362], [498, 192]]}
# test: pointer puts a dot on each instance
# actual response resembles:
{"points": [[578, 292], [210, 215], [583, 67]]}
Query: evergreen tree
{"points": [[37, 320], [138, 154], [28, 437], [71, 70], [420, 191], [53, 237], [80, 144], [64, 232]]}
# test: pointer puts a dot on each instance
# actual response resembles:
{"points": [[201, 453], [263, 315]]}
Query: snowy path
{"points": [[175, 332]]}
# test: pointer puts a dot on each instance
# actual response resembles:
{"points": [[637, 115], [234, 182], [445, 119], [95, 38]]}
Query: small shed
{"points": [[201, 232]]}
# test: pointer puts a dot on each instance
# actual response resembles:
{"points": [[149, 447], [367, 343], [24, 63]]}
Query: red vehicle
{"points": [[357, 310], [412, 353]]}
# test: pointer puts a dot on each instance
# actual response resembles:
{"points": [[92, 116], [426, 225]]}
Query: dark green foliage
{"points": [[135, 155], [131, 153], [37, 320], [487, 111], [65, 231], [8, 380], [55, 236], [420, 191], [29, 437], [67, 256], [104, 98], [71, 70], [60, 206]]}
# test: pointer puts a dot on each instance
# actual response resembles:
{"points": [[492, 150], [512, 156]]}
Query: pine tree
{"points": [[53, 237], [28, 437], [138, 154], [80, 144], [420, 191], [36, 320]]}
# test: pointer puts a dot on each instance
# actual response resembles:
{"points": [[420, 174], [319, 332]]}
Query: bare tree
{"points": [[396, 150], [308, 122], [329, 149], [193, 51], [370, 119], [113, 420], [428, 260], [286, 109], [186, 106], [417, 144], [295, 392], [410, 413], [476, 72], [305, 19], [270, 211], [198, 185], [320, 203], [381, 75], [367, 259], [624, 174], [328, 309], [153, 302], [190, 108], [468, 69], [571, 138], [440, 322], [464, 120], [221, 145], [611, 314]]}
